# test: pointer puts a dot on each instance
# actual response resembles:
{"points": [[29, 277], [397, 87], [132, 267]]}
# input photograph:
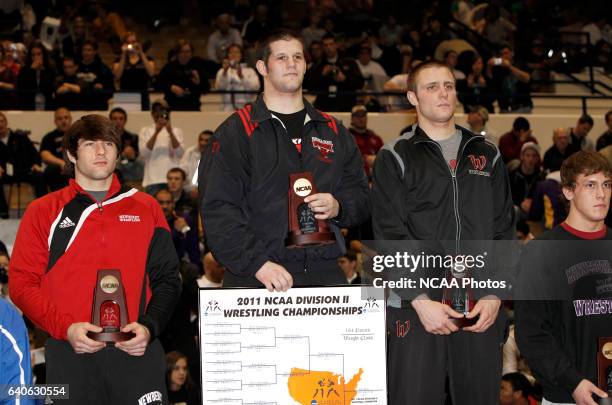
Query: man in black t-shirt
{"points": [[510, 82], [52, 152]]}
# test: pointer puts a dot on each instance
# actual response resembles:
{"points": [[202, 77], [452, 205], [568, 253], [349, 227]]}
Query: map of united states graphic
{"points": [[322, 387]]}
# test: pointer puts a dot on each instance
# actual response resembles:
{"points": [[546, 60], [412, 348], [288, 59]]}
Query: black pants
{"points": [[107, 377], [418, 362]]}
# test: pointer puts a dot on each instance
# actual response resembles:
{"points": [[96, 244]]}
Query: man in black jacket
{"points": [[564, 285], [244, 179], [440, 182]]}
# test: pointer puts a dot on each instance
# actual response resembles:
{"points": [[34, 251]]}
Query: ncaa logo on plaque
{"points": [[302, 187], [109, 284]]}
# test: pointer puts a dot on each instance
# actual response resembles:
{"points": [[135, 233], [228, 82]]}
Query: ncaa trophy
{"points": [[304, 228], [604, 369], [460, 299], [109, 309]]}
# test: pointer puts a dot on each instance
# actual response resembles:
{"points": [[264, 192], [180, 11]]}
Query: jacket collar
{"points": [[261, 112], [421, 136], [115, 187]]}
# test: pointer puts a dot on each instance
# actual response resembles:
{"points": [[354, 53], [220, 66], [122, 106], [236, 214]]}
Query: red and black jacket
{"points": [[244, 184], [65, 237]]}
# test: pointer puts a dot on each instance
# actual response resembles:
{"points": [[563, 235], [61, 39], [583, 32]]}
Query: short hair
{"points": [[68, 58], [181, 42], [520, 124], [178, 170], [412, 77], [234, 45], [92, 42], [585, 119], [206, 132], [608, 114], [585, 163], [328, 35], [277, 35], [161, 191], [518, 382], [117, 110], [91, 127], [159, 105]]}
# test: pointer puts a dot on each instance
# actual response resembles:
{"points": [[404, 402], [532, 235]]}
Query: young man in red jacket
{"points": [[63, 240]]}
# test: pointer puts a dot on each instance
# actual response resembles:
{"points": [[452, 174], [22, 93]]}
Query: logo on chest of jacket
{"points": [[478, 164], [324, 147], [66, 223], [129, 218]]}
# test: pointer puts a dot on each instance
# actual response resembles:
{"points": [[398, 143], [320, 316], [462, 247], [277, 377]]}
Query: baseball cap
{"points": [[359, 108], [530, 145]]}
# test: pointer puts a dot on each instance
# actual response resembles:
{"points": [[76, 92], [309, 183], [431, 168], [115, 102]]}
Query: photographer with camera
{"points": [[161, 147], [510, 82], [235, 75], [134, 69]]}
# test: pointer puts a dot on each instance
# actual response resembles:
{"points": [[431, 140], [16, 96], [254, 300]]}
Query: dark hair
{"points": [[181, 42], [70, 58], [91, 127], [159, 105], [328, 35], [230, 46], [448, 53], [178, 170], [277, 35], [518, 382], [171, 359], [206, 132], [412, 77], [520, 124], [585, 119], [90, 41], [45, 55], [608, 114], [118, 110], [585, 163]]}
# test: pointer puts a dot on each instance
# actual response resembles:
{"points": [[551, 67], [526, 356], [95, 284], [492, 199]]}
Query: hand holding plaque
{"points": [[604, 369], [304, 228], [109, 309]]}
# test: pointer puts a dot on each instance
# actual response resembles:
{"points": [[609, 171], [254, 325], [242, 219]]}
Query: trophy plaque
{"points": [[604, 369], [109, 309], [304, 228], [460, 299]]}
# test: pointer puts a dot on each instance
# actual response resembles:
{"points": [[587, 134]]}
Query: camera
{"points": [[497, 61], [130, 47]]}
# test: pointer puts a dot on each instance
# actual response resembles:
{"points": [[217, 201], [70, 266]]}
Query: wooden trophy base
{"points": [[110, 337], [464, 322], [310, 239]]}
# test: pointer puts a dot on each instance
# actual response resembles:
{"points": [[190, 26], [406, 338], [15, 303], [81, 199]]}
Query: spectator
{"points": [[181, 389], [96, 77], [390, 33], [68, 86], [578, 134], [183, 203], [450, 58], [373, 73], [331, 75], [119, 117], [546, 204], [184, 79], [368, 141], [348, 264], [222, 38], [524, 178], [52, 150], [497, 29], [475, 89], [477, 120], [191, 159], [134, 69], [510, 143], [257, 26], [36, 81], [234, 75], [315, 53], [510, 82], [314, 32], [213, 273], [605, 139], [161, 147], [515, 389], [540, 65], [399, 82], [131, 168], [72, 45], [9, 72], [184, 230], [17, 149], [556, 154]]}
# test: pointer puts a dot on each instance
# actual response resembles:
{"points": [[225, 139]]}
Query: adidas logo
{"points": [[66, 223]]}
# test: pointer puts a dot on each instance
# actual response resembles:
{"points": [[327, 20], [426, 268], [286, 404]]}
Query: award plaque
{"points": [[459, 299], [304, 228], [604, 369], [109, 309]]}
